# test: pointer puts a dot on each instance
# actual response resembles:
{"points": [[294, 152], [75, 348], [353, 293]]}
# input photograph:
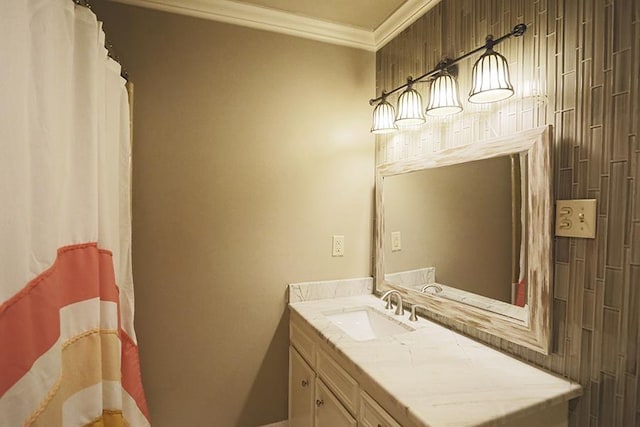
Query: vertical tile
{"points": [[630, 390], [601, 232], [584, 403], [615, 224], [561, 281], [635, 248], [585, 356], [562, 251], [588, 309], [622, 25], [608, 34], [565, 179], [628, 212], [578, 272], [618, 409], [586, 44], [570, 34], [613, 287], [595, 398], [633, 335], [622, 72], [595, 159], [606, 408], [596, 349], [597, 105], [559, 326], [621, 117], [599, 36], [610, 325], [636, 191]]}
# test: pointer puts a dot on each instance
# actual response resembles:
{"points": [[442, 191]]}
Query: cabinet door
{"points": [[372, 414], [329, 410], [301, 388]]}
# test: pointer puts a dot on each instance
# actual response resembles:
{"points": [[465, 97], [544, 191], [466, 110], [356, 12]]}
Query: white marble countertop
{"points": [[437, 376]]}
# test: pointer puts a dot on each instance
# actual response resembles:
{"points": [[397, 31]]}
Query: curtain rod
{"points": [[110, 50], [517, 31]]}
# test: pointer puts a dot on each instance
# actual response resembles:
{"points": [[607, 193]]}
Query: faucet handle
{"points": [[413, 316]]}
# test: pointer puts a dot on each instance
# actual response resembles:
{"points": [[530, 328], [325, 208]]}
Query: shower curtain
{"points": [[68, 350]]}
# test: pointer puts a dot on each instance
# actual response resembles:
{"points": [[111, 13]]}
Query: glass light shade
{"points": [[443, 97], [409, 108], [490, 77], [383, 116]]}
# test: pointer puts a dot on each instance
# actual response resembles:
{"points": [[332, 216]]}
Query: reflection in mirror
{"points": [[461, 226], [466, 232]]}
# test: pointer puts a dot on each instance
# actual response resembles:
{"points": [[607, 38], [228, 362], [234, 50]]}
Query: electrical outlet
{"points": [[576, 218], [338, 246], [396, 241]]}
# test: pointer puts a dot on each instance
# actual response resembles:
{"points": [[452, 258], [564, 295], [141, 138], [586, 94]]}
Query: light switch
{"points": [[576, 218], [396, 241]]}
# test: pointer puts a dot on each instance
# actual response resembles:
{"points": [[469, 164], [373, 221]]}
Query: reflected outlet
{"points": [[396, 241]]}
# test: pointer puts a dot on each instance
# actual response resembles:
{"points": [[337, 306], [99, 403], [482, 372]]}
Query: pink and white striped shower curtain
{"points": [[68, 350]]}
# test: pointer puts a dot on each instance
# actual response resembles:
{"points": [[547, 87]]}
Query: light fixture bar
{"points": [[517, 31]]}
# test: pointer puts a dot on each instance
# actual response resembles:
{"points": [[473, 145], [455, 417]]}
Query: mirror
{"points": [[478, 224], [466, 232]]}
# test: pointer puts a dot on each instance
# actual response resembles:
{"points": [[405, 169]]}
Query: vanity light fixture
{"points": [[443, 95], [490, 77], [410, 107], [491, 83], [383, 117]]}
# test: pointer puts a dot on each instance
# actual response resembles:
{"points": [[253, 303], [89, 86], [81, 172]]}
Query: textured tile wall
{"points": [[578, 68]]}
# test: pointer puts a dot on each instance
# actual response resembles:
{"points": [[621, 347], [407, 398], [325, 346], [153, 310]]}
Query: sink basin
{"points": [[365, 323]]}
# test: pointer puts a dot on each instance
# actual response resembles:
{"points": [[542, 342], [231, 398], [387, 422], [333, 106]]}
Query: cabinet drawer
{"points": [[372, 414], [338, 380], [303, 343]]}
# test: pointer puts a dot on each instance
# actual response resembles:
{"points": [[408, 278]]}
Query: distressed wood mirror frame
{"points": [[532, 328]]}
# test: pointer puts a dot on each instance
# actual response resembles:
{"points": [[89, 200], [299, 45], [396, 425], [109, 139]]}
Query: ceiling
{"points": [[367, 14], [363, 24]]}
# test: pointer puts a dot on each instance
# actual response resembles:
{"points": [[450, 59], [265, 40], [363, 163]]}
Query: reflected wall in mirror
{"points": [[467, 233], [463, 223]]}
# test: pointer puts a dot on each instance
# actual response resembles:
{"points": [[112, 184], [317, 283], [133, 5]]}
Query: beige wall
{"points": [[456, 219], [251, 149], [585, 57]]}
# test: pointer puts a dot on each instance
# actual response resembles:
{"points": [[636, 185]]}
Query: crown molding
{"points": [[263, 18], [404, 16]]}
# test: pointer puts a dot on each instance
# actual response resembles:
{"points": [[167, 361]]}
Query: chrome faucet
{"points": [[438, 288], [413, 316], [387, 297]]}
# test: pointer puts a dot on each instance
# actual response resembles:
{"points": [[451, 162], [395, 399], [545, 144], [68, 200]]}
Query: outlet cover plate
{"points": [[576, 218], [338, 245]]}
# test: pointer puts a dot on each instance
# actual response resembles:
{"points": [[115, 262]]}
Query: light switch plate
{"points": [[576, 218], [396, 241]]}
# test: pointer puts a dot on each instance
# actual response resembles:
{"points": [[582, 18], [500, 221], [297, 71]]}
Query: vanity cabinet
{"points": [[322, 393], [431, 376]]}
